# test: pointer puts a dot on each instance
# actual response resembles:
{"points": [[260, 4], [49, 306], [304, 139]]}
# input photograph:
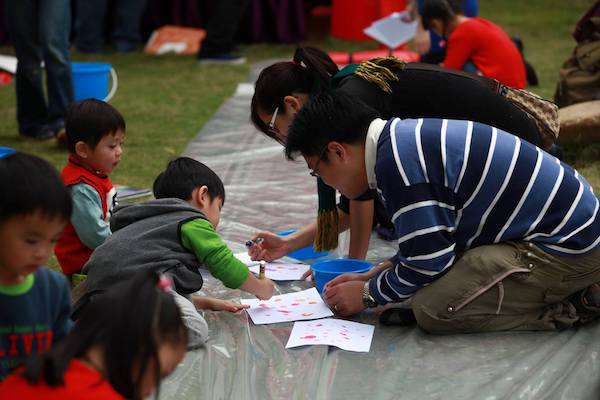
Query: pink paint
{"points": [[263, 305], [295, 304], [308, 337]]}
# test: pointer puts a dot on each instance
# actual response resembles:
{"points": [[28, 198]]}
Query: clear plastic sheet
{"points": [[244, 361]]}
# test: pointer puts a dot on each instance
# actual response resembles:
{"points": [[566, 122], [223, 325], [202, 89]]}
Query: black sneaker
{"points": [[587, 303], [398, 317], [41, 134], [222, 58]]}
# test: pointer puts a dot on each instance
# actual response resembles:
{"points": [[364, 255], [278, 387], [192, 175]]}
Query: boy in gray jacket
{"points": [[174, 235]]}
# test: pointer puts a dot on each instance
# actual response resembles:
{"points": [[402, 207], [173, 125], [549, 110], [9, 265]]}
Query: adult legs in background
{"points": [[506, 286], [55, 27], [89, 25], [221, 30], [39, 32], [125, 21], [126, 34]]}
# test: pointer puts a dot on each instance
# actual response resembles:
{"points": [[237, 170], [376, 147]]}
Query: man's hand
{"points": [[351, 276], [345, 298]]}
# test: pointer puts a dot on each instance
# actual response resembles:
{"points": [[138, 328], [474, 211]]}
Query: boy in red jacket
{"points": [[95, 133]]}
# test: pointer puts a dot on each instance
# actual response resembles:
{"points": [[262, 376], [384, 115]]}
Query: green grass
{"points": [[166, 100]]}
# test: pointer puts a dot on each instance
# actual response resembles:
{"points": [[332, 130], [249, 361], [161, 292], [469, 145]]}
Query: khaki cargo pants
{"points": [[506, 286]]}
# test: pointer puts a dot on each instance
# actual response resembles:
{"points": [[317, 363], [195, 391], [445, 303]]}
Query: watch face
{"points": [[368, 300]]}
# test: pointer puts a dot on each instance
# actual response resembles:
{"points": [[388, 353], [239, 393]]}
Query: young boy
{"points": [[174, 234], [95, 132], [34, 302], [493, 233]]}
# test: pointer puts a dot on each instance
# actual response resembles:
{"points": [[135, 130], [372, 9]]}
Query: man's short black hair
{"points": [[185, 174], [439, 9], [330, 116], [30, 184], [89, 121]]}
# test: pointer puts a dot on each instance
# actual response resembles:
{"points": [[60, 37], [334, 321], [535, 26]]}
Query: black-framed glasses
{"points": [[273, 131], [315, 171]]}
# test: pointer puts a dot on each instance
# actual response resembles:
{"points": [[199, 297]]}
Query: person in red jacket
{"points": [[475, 44], [95, 132], [121, 348]]}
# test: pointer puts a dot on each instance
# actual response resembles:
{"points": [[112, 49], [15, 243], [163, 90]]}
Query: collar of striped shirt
{"points": [[371, 140]]}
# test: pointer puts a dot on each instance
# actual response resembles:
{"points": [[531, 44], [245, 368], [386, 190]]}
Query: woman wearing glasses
{"points": [[394, 89]]}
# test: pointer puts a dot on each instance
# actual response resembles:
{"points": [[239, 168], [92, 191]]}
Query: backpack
{"points": [[580, 75]]}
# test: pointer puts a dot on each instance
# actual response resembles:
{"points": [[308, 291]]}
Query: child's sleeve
{"points": [[87, 214], [199, 237]]}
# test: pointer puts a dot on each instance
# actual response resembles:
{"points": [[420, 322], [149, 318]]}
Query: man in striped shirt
{"points": [[493, 233]]}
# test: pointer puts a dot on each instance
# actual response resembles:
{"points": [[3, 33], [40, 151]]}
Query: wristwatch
{"points": [[368, 300]]}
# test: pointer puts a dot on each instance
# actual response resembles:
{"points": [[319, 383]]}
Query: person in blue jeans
{"points": [[40, 33], [125, 22]]}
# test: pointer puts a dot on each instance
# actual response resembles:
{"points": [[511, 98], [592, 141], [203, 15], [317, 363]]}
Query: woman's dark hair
{"points": [[89, 121], [328, 116], [439, 9], [30, 184], [309, 72], [185, 174], [128, 323]]}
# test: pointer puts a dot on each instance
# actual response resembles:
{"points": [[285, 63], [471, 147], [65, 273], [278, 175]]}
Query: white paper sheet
{"points": [[392, 31], [279, 271], [304, 305], [346, 335]]}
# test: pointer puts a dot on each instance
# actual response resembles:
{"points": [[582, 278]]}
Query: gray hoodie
{"points": [[146, 236]]}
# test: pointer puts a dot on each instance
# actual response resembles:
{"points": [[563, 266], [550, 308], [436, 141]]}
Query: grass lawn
{"points": [[166, 100]]}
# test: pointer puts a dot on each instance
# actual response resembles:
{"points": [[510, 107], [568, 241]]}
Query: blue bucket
{"points": [[90, 80], [305, 253], [326, 270]]}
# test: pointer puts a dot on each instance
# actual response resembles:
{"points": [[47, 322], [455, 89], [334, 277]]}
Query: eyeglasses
{"points": [[315, 171]]}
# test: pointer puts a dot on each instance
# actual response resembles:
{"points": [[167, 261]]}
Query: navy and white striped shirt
{"points": [[451, 185]]}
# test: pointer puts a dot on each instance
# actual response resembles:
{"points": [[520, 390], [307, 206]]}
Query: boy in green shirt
{"points": [[175, 235]]}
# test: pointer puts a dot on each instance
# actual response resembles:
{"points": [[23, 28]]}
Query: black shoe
{"points": [[41, 134], [587, 303], [398, 317]]}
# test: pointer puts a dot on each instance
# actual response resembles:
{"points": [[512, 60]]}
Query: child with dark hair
{"points": [[130, 340], [174, 234], [475, 44], [95, 133], [34, 301]]}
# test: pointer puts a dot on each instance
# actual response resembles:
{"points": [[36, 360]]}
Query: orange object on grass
{"points": [[175, 39]]}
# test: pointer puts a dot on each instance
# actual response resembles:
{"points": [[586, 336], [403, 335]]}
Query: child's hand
{"points": [[272, 247], [261, 288], [211, 303], [265, 289]]}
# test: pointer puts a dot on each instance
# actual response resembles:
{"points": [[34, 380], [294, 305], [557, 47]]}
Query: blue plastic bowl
{"points": [[305, 253], [326, 270]]}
